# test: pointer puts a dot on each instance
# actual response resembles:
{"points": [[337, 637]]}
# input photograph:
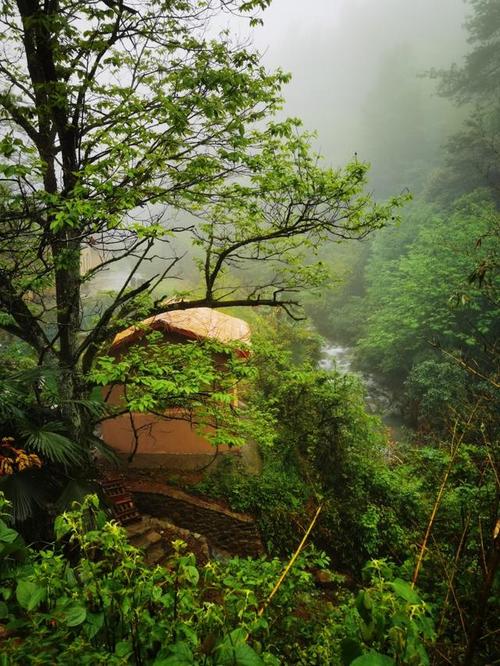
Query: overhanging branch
{"points": [[27, 327]]}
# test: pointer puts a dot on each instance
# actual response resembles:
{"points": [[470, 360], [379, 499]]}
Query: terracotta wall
{"points": [[159, 440], [156, 436]]}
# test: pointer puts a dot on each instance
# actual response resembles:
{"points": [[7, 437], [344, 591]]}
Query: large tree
{"points": [[473, 153], [126, 125]]}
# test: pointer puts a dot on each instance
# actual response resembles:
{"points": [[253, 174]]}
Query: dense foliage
{"points": [[90, 599], [128, 131], [471, 156], [326, 450], [421, 313], [125, 128]]}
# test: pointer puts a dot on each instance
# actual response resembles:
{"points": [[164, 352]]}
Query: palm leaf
{"points": [[75, 491], [96, 408], [48, 441], [11, 396], [24, 495]]}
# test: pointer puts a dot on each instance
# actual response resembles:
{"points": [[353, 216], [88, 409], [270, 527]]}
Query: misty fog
{"points": [[354, 62], [360, 80], [258, 319]]}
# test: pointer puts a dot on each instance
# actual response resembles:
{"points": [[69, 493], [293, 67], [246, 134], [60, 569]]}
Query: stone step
{"points": [[136, 528], [155, 554], [146, 539], [154, 536]]}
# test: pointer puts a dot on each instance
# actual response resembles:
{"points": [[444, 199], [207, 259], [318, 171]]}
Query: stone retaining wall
{"points": [[235, 533]]}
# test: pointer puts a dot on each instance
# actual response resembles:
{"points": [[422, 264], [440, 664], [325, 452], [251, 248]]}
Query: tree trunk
{"points": [[66, 253]]}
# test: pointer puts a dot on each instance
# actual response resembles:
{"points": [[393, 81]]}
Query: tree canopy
{"points": [[472, 153], [127, 125]]}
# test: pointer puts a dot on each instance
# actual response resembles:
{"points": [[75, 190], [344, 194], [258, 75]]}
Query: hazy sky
{"points": [[334, 49]]}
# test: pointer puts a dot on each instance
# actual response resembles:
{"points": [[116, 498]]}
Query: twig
{"points": [[437, 503], [451, 588], [451, 577], [291, 563]]}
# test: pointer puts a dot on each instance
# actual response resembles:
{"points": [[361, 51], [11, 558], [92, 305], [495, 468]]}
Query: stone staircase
{"points": [[209, 528], [154, 536], [227, 532]]}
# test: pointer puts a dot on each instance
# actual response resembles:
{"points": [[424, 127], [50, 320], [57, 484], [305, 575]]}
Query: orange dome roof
{"points": [[195, 324]]}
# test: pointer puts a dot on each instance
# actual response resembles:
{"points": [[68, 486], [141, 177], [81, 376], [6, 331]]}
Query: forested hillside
{"points": [[147, 167], [420, 313]]}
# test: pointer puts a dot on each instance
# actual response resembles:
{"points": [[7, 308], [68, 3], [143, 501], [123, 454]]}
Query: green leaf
{"points": [[244, 655], [4, 610], [7, 535], [74, 615], [350, 650], [61, 527], [174, 660], [6, 593], [18, 548], [405, 591], [29, 595], [191, 574], [94, 623], [363, 605], [373, 659], [180, 655], [48, 441], [367, 630], [124, 649], [234, 651]]}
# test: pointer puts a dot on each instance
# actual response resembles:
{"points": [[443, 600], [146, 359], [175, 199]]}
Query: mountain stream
{"points": [[379, 401]]}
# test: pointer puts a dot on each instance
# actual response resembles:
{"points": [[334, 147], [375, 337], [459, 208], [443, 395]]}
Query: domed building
{"points": [[171, 441]]}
